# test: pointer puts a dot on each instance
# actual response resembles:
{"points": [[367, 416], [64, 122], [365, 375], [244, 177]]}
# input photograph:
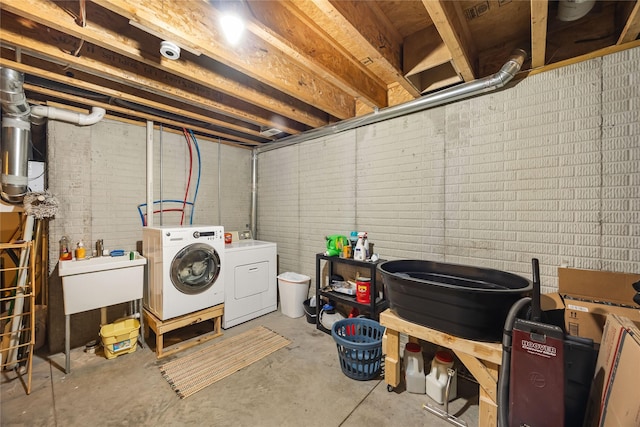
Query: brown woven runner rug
{"points": [[190, 374]]}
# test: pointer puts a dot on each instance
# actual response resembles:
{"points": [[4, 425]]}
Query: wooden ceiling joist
{"points": [[449, 26], [144, 50], [132, 73], [292, 32], [362, 37], [539, 12], [37, 71], [632, 26], [194, 22]]}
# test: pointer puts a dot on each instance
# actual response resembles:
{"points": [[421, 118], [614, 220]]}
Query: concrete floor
{"points": [[301, 384]]}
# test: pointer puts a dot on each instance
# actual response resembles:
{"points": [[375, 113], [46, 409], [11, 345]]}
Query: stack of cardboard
{"points": [[588, 296], [613, 400], [600, 305]]}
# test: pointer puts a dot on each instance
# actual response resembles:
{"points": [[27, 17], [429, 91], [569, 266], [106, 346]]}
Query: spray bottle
{"points": [[365, 243], [360, 253], [353, 238]]}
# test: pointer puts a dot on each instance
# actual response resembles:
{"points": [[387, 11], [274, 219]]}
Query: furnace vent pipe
{"points": [[16, 132], [14, 101], [16, 135], [465, 90], [14, 158]]}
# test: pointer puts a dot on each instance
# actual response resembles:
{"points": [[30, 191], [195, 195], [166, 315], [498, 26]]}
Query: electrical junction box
{"points": [[35, 174]]}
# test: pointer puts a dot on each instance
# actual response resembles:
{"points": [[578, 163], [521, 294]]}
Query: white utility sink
{"points": [[99, 282], [102, 263]]}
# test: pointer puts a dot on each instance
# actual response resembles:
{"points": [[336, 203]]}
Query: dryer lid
{"points": [[195, 268]]}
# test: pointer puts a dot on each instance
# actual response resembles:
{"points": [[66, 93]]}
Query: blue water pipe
{"points": [[142, 215]]}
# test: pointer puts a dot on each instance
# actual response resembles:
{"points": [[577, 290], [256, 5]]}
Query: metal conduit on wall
{"points": [[456, 93]]}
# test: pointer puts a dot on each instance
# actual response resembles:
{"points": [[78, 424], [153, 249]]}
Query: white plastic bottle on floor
{"points": [[414, 368], [437, 378]]}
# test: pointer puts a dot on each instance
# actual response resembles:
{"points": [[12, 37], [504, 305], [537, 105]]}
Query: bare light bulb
{"points": [[232, 27]]}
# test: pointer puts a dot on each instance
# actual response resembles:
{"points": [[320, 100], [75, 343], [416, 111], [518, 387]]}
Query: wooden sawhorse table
{"points": [[481, 359]]}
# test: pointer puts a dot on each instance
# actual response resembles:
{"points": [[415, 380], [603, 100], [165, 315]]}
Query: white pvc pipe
{"points": [[81, 119], [219, 181], [161, 174], [149, 173], [254, 194]]}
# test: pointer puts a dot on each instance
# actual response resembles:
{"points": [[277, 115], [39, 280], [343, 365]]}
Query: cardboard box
{"points": [[588, 296], [598, 286], [587, 319], [613, 399]]}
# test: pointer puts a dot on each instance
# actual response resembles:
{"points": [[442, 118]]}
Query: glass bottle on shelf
{"points": [[65, 250]]}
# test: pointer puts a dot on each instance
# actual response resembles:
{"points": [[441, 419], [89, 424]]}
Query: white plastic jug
{"points": [[437, 378], [414, 368]]}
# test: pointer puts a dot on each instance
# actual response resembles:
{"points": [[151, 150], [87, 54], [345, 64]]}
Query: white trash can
{"points": [[294, 290]]}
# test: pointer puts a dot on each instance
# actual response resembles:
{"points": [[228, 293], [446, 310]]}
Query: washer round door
{"points": [[195, 268]]}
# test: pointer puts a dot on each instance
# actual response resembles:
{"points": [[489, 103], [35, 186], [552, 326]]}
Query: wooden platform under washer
{"points": [[161, 327]]}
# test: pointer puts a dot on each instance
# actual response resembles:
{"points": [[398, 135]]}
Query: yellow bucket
{"points": [[120, 337]]}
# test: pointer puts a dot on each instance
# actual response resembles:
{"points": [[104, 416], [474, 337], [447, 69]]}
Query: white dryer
{"points": [[185, 269], [251, 287]]}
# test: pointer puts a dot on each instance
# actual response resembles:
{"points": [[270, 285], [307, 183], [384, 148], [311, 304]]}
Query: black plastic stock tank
{"points": [[465, 301]]}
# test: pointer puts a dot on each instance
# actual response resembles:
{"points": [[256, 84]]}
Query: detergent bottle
{"points": [[335, 243]]}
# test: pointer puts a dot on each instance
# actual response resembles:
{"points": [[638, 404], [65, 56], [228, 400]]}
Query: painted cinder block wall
{"points": [[548, 168], [98, 173]]}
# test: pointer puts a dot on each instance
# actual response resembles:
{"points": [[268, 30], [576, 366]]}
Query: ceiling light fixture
{"points": [[232, 26], [572, 10]]}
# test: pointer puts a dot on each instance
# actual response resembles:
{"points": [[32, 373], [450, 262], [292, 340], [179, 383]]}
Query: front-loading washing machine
{"points": [[185, 269]]}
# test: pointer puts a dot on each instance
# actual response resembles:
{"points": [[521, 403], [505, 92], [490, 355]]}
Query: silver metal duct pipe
{"points": [[16, 135], [465, 90], [14, 158], [16, 132], [14, 101]]}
